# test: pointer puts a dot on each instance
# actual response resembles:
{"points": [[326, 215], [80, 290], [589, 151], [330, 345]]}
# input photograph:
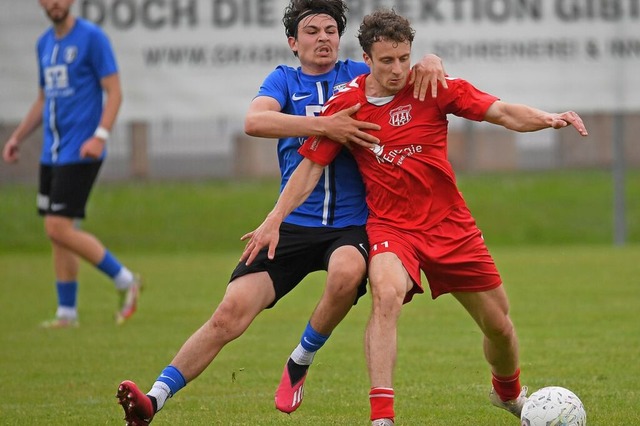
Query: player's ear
{"points": [[366, 59], [293, 45]]}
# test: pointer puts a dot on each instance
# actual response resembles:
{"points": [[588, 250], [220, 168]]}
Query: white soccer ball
{"points": [[553, 406]]}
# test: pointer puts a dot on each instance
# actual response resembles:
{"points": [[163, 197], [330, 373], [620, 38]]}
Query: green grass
{"points": [[572, 207], [576, 310], [568, 207], [149, 217], [575, 302]]}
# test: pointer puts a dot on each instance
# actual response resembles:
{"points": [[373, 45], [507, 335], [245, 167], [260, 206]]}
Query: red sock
{"points": [[381, 400], [507, 388]]}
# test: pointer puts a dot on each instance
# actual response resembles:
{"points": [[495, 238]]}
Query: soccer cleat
{"points": [[289, 395], [138, 408], [382, 422], [129, 301], [513, 406], [60, 322]]}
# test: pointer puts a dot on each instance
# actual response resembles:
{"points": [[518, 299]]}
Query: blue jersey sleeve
{"points": [[102, 59], [275, 86], [40, 48]]}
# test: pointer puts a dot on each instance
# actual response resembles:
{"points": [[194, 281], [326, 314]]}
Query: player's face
{"points": [[390, 63], [317, 43], [57, 10]]}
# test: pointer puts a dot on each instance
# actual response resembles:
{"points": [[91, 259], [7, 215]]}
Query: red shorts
{"points": [[452, 254]]}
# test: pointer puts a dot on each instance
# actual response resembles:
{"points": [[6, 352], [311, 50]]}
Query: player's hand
{"points": [[569, 118], [92, 148], [266, 235], [428, 72], [343, 128], [11, 151]]}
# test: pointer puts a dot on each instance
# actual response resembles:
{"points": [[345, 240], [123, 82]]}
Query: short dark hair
{"points": [[299, 9], [384, 24]]}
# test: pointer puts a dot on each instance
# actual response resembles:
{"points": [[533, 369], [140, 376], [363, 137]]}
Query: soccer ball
{"points": [[553, 406]]}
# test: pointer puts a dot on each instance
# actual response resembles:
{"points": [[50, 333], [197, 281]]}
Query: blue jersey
{"points": [[338, 198], [70, 70]]}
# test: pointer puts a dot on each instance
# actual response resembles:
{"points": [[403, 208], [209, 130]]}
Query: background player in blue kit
{"points": [[325, 233], [76, 68]]}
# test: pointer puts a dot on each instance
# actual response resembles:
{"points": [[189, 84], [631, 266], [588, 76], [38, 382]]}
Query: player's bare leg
{"points": [[490, 310], [244, 299], [70, 243], [389, 285], [66, 265], [64, 232], [346, 271]]}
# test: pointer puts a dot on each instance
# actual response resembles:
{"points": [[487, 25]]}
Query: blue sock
{"points": [[67, 293], [311, 340], [173, 378], [109, 264]]}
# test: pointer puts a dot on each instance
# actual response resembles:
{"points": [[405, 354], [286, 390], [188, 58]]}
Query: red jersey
{"points": [[409, 181]]}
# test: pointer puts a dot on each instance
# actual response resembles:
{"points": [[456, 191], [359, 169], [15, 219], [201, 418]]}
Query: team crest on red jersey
{"points": [[400, 116]]}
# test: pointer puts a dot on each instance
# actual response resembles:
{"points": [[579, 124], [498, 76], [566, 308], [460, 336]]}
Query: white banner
{"points": [[194, 59]]}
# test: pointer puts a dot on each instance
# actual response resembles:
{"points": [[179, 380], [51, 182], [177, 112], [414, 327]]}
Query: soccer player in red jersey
{"points": [[418, 219], [326, 233]]}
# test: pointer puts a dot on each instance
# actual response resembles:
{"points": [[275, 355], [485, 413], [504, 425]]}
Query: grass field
{"points": [[575, 301], [522, 209]]}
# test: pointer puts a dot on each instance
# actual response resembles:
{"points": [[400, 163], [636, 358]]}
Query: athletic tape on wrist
{"points": [[101, 133]]}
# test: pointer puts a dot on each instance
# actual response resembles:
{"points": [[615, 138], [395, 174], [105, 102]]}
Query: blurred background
{"points": [[189, 69]]}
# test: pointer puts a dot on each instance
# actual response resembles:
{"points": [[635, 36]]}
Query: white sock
{"points": [[123, 279], [67, 312], [301, 356], [160, 391]]}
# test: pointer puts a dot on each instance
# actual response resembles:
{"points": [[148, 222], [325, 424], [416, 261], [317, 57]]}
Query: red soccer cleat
{"points": [[138, 409], [289, 395]]}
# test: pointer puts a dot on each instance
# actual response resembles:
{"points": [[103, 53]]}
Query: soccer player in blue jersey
{"points": [[76, 68], [325, 233]]}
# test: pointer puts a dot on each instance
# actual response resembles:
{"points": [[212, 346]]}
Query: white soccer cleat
{"points": [[129, 300], [60, 322], [513, 406], [382, 422]]}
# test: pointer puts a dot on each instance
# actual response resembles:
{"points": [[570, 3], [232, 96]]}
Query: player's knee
{"points": [[228, 321], [343, 284], [56, 229], [386, 296], [500, 330], [347, 271], [352, 276]]}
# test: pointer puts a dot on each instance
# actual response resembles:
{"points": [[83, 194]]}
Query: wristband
{"points": [[101, 133]]}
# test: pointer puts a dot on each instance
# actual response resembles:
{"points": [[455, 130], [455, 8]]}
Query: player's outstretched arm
{"points": [[295, 192], [428, 72], [523, 118]]}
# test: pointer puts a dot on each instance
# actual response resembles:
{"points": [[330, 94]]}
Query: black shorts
{"points": [[64, 190], [302, 250]]}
